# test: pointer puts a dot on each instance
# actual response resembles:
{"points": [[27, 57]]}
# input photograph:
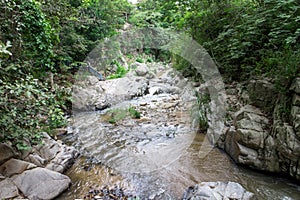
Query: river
{"points": [[156, 155]]}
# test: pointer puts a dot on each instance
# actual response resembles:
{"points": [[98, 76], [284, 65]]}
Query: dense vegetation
{"points": [[42, 43], [246, 38]]}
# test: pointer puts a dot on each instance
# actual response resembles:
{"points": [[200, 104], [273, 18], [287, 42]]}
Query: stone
{"points": [[251, 138], [245, 141], [271, 157], [296, 100], [248, 156], [261, 94], [258, 143], [6, 153], [141, 69], [60, 131], [14, 166], [230, 145], [296, 86], [63, 160], [295, 110], [49, 149], [53, 155], [36, 159], [40, 183], [102, 104], [288, 145], [217, 191], [8, 190], [252, 113], [155, 90]]}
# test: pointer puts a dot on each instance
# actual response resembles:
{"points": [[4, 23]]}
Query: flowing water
{"points": [[156, 156], [149, 146]]}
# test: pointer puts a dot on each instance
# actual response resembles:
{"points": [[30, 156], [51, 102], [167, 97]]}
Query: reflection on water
{"points": [[171, 181]]}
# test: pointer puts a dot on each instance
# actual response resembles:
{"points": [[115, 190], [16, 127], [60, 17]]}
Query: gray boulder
{"points": [[141, 69], [8, 190], [103, 94], [217, 191], [40, 183]]}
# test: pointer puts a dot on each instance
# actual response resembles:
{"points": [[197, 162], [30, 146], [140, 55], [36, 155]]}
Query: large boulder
{"points": [[288, 149], [103, 94], [40, 183], [217, 191], [245, 141]]}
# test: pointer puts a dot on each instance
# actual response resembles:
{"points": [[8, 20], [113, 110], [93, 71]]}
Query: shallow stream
{"points": [[156, 156]]}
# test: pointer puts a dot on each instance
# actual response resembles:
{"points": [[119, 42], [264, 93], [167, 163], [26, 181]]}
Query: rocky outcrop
{"points": [[248, 138], [259, 138], [92, 94], [217, 191], [52, 155], [38, 174]]}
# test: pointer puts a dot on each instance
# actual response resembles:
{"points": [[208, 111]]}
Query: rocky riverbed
{"points": [[139, 139]]}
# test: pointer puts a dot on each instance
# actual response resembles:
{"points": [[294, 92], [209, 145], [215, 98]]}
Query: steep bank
{"points": [[256, 134]]}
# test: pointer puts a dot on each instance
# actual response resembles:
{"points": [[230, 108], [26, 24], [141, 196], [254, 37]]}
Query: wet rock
{"points": [[6, 153], [14, 166], [40, 183], [217, 191], [8, 190]]}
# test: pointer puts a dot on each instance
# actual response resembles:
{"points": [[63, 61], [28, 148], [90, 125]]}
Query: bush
{"points": [[27, 109]]}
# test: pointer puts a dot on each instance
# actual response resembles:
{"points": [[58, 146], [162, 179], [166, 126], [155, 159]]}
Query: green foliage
{"points": [[40, 42], [140, 60], [134, 113], [120, 72], [32, 37], [202, 109], [243, 36], [27, 108], [115, 115]]}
